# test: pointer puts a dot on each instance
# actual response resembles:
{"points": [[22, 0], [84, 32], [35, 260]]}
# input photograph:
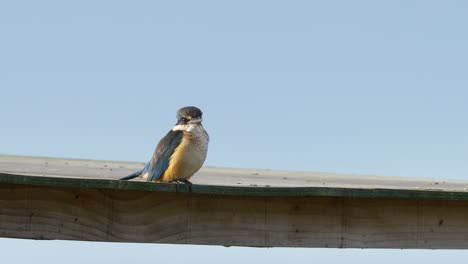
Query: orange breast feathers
{"points": [[187, 159]]}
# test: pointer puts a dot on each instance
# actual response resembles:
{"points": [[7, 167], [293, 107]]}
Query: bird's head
{"points": [[189, 115]]}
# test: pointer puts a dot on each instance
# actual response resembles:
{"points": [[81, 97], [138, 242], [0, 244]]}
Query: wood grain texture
{"points": [[46, 198], [90, 214]]}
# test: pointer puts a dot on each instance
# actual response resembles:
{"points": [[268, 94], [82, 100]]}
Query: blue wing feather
{"points": [[161, 157], [133, 175]]}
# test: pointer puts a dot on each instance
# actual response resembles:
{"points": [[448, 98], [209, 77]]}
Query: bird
{"points": [[180, 153]]}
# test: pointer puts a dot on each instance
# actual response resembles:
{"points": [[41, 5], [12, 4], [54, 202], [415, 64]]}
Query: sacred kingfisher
{"points": [[179, 154]]}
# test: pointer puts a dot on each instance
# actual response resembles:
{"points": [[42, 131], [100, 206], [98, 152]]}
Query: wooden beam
{"points": [[43, 198]]}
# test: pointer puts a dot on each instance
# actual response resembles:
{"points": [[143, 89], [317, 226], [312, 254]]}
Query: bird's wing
{"points": [[161, 157]]}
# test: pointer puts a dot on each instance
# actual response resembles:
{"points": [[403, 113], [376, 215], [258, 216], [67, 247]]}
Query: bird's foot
{"points": [[177, 186], [189, 184], [185, 182]]}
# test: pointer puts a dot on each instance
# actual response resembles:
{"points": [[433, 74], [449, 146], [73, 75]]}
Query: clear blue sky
{"points": [[373, 87]]}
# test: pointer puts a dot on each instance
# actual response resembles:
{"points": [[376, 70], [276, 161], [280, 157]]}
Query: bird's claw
{"points": [[189, 185], [185, 182]]}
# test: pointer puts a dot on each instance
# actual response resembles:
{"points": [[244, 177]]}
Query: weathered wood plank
{"points": [[89, 214], [95, 169], [102, 174], [43, 198]]}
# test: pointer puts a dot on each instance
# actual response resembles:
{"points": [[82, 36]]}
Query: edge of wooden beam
{"points": [[428, 194]]}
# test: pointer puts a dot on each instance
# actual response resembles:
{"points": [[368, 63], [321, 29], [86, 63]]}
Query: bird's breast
{"points": [[189, 156]]}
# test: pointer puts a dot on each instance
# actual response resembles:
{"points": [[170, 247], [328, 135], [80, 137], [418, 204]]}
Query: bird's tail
{"points": [[132, 176]]}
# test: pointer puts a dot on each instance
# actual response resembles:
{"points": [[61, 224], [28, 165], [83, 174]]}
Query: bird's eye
{"points": [[184, 119]]}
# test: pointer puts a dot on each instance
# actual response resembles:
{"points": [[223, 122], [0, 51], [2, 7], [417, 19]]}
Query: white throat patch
{"points": [[186, 128]]}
